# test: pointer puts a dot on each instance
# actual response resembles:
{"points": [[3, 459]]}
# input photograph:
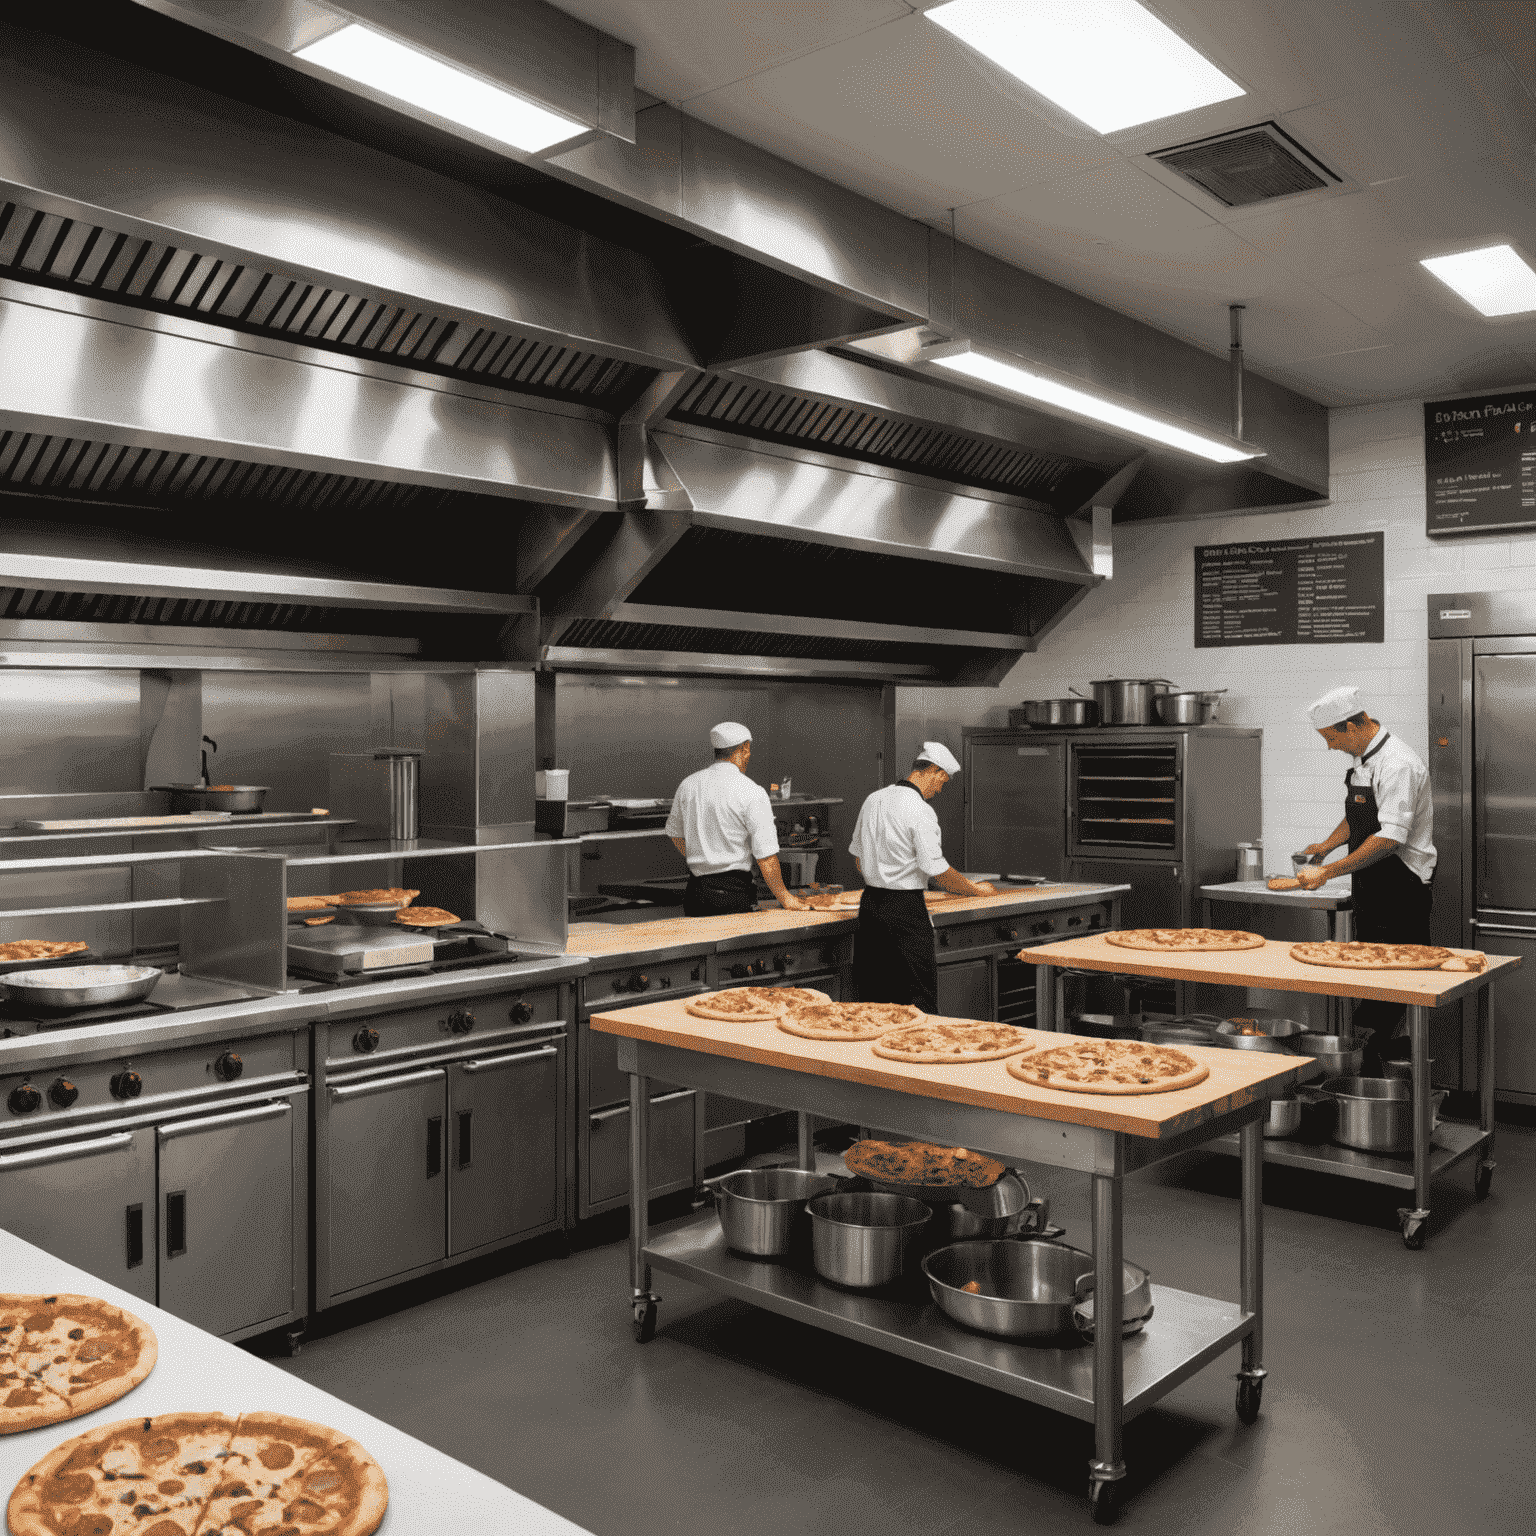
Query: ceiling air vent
{"points": [[1249, 165]]}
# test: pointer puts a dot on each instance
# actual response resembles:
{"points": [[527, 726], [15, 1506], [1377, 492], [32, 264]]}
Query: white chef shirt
{"points": [[1404, 806], [724, 818], [897, 841]]}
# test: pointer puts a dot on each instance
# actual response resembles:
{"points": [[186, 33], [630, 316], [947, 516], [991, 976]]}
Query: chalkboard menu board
{"points": [[1480, 463], [1290, 592]]}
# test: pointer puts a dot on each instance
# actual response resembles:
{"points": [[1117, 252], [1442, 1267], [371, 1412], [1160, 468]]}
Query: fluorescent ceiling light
{"points": [[1494, 280], [1036, 386], [1111, 63], [390, 66]]}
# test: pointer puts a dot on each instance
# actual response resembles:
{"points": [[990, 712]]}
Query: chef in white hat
{"points": [[722, 823], [898, 849], [1389, 825]]}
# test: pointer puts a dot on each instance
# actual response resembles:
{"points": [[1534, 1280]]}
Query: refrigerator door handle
{"points": [[1509, 928]]}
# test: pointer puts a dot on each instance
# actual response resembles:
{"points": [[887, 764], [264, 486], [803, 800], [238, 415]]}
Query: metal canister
{"points": [[1250, 861], [404, 779]]}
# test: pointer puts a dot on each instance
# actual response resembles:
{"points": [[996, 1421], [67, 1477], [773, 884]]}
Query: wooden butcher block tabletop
{"points": [[1271, 967], [1237, 1078]]}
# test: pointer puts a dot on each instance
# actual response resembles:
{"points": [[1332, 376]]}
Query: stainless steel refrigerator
{"points": [[1482, 767]]}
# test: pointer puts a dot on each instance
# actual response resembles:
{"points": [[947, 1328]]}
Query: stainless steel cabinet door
{"points": [[226, 1217], [965, 990], [1514, 999], [1504, 731], [671, 1156], [1015, 807], [89, 1202], [388, 1199], [504, 1168]]}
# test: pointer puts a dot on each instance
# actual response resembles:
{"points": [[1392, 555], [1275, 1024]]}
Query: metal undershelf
{"points": [[1186, 1332], [1450, 1144]]}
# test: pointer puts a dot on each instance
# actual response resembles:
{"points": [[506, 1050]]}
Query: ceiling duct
{"points": [[1248, 165]]}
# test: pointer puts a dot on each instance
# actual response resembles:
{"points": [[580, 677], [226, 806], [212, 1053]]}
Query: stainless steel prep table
{"points": [[429, 1493], [980, 1106], [1435, 1149]]}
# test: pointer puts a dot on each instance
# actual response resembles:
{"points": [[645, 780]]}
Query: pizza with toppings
{"points": [[311, 903], [380, 896], [62, 1356], [1284, 883], [426, 917], [40, 949], [203, 1474], [1466, 960], [849, 1021], [1355, 955], [920, 1162], [951, 1040], [1184, 941], [739, 1005], [794, 997], [1110, 1066]]}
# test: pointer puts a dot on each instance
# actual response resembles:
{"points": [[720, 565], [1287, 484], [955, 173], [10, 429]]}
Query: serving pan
{"points": [[1232, 1035], [237, 798], [80, 986]]}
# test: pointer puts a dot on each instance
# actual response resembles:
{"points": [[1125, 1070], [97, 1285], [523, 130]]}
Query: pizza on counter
{"points": [[203, 1474], [40, 949], [795, 997], [426, 917], [378, 897], [921, 1162], [849, 1021], [1466, 960], [1110, 1066], [1355, 955], [738, 1005], [1283, 883], [311, 903], [62, 1356], [1184, 941], [941, 1040]]}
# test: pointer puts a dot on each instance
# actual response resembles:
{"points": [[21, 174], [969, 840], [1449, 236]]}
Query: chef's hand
{"points": [[1312, 875], [792, 903], [985, 888], [1315, 850]]}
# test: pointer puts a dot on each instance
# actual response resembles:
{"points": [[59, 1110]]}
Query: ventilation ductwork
{"points": [[1247, 166]]}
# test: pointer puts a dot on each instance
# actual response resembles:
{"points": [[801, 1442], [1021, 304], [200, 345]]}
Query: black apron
{"points": [[1392, 906], [893, 956], [733, 890]]}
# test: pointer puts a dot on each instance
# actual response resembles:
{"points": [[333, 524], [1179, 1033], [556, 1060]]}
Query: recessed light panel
{"points": [[1035, 386], [1111, 63], [387, 65], [1494, 280]]}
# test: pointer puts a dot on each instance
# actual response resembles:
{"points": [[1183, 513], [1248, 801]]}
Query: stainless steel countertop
{"points": [[1333, 897], [429, 1493]]}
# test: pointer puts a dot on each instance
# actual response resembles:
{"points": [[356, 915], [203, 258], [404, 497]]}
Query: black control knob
{"points": [[461, 1023], [738, 971], [1005, 932], [781, 963], [127, 1085], [365, 1040], [63, 1093], [521, 1013], [228, 1067], [943, 939], [24, 1100], [1046, 927], [759, 967], [694, 974], [641, 983]]}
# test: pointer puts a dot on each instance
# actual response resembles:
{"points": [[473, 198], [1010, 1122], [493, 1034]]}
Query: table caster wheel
{"points": [[1413, 1232], [1250, 1394], [1104, 1501], [645, 1321], [1482, 1179]]}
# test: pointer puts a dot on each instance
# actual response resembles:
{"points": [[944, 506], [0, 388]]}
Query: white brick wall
{"points": [[1141, 624]]}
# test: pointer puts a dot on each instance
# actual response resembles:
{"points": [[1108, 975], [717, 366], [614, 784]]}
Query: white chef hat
{"points": [[729, 733], [1335, 706], [940, 756]]}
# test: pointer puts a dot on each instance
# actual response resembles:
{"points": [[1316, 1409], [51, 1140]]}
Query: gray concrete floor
{"points": [[1400, 1397]]}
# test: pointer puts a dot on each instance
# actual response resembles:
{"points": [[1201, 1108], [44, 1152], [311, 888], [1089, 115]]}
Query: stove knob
{"points": [[1005, 932], [365, 1040], [63, 1093], [127, 1085], [462, 1022], [228, 1067], [738, 971], [639, 983], [522, 1013], [781, 963], [759, 967], [24, 1100], [694, 974], [943, 939]]}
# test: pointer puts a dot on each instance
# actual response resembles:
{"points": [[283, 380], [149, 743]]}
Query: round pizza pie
{"points": [[426, 917], [921, 1162], [1354, 955], [311, 903], [941, 1040], [202, 1474], [1284, 883], [739, 1005], [1184, 941], [379, 896], [849, 1021], [62, 1356], [794, 997], [40, 949], [1110, 1066]]}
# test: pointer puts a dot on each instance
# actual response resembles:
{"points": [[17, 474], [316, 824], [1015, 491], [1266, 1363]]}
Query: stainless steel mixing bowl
{"points": [[762, 1210], [1337, 1055], [865, 1240], [81, 986]]}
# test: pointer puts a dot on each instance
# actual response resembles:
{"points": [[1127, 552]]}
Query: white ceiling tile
{"points": [[908, 105], [1406, 304], [1418, 371], [1461, 110], [685, 47]]}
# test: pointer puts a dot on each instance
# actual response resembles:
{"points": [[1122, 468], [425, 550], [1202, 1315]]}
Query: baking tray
{"points": [[338, 948]]}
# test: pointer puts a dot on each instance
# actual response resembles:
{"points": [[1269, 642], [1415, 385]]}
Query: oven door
{"points": [[387, 1199], [227, 1243], [89, 1202]]}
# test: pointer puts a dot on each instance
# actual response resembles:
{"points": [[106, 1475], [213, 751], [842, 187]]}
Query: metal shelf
{"points": [[1186, 1332], [1450, 1144], [415, 848]]}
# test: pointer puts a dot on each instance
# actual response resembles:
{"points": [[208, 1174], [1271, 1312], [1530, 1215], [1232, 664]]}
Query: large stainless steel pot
{"points": [[1126, 700], [864, 1241], [1375, 1114], [1055, 714], [1283, 1117], [1194, 708], [762, 1210]]}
